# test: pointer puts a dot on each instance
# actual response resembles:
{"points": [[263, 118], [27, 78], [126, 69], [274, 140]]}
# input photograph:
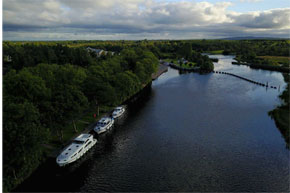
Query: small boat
{"points": [[104, 124], [76, 149], [118, 111]]}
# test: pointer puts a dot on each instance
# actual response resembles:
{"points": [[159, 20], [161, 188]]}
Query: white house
{"points": [[99, 52]]}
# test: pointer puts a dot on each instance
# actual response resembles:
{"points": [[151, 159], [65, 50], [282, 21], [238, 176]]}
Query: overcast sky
{"points": [[140, 19]]}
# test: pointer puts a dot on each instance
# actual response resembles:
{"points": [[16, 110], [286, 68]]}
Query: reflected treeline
{"points": [[281, 113]]}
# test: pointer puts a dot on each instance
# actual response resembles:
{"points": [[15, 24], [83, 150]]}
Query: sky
{"points": [[144, 19]]}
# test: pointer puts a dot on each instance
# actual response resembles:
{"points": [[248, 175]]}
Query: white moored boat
{"points": [[104, 124], [118, 111], [76, 149]]}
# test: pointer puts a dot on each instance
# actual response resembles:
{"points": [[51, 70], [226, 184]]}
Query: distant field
{"points": [[215, 52], [276, 59]]}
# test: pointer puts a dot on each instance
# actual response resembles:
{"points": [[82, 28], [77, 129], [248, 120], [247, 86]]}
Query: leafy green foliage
{"points": [[23, 136], [41, 98]]}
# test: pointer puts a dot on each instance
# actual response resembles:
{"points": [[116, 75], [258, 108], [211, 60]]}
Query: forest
{"points": [[48, 85]]}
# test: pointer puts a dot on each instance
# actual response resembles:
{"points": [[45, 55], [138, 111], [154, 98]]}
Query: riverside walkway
{"points": [[161, 69]]}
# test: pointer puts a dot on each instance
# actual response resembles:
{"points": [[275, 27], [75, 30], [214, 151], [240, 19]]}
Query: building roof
{"points": [[94, 50]]}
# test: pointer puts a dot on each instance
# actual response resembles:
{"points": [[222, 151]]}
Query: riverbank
{"points": [[53, 153], [52, 150], [281, 114], [264, 67], [161, 69]]}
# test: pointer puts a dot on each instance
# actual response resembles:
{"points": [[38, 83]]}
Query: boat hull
{"points": [[61, 164]]}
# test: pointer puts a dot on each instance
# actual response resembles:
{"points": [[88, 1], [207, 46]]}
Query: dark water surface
{"points": [[192, 133]]}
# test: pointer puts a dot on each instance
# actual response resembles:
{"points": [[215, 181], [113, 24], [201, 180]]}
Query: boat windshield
{"points": [[78, 142], [101, 124]]}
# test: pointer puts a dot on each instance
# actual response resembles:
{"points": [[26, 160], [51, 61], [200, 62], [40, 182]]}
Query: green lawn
{"points": [[215, 52], [81, 124], [175, 61], [188, 65], [171, 60], [276, 60]]}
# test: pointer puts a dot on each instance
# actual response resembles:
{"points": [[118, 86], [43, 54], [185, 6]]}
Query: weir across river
{"points": [[246, 79]]}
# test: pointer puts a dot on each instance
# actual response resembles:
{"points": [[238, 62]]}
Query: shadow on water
{"points": [[49, 177]]}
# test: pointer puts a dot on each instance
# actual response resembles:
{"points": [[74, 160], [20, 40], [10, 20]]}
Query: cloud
{"points": [[135, 19], [251, 1], [271, 19]]}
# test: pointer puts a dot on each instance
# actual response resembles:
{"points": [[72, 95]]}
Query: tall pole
{"points": [[97, 107]]}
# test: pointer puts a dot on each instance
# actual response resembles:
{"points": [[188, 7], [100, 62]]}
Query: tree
{"points": [[185, 51], [31, 87], [207, 66], [129, 59], [23, 137], [126, 83]]}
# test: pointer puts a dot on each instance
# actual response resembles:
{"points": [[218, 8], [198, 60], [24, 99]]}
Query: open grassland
{"points": [[276, 59], [215, 52]]}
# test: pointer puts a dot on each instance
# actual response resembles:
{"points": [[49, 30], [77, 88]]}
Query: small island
{"points": [[189, 60]]}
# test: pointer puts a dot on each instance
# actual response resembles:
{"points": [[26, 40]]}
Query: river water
{"points": [[190, 133]]}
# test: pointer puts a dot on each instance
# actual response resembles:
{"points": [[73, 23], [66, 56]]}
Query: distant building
{"points": [[183, 61], [99, 52]]}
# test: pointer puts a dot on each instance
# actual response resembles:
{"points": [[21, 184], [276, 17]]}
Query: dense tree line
{"points": [[46, 87], [28, 55]]}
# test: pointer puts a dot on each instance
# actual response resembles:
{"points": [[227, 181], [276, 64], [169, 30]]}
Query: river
{"points": [[191, 132]]}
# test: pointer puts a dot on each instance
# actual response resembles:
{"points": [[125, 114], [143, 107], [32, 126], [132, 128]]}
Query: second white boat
{"points": [[118, 112], [104, 124]]}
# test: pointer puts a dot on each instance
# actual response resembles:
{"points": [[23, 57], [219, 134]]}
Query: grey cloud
{"points": [[127, 19], [279, 18]]}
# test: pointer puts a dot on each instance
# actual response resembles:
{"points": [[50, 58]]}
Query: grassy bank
{"points": [[81, 124], [69, 131], [272, 63], [175, 61], [276, 60]]}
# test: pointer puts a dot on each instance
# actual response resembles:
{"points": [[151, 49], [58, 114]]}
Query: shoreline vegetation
{"points": [[58, 100], [63, 85], [264, 66], [281, 113]]}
